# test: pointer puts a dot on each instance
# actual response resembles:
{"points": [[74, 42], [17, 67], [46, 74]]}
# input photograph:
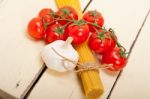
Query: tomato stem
{"points": [[123, 52], [53, 14], [94, 24], [45, 24], [61, 19], [65, 12], [122, 49], [72, 21], [59, 30], [66, 25]]}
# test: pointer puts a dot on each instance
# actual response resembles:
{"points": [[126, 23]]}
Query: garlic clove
{"points": [[53, 52]]}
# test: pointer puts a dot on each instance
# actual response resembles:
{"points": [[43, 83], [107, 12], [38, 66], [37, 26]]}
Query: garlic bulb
{"points": [[56, 55]]}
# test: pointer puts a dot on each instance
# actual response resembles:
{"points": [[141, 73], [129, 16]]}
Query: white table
{"points": [[21, 64]]}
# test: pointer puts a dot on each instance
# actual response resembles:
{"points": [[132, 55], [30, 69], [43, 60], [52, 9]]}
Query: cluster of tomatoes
{"points": [[64, 23]]}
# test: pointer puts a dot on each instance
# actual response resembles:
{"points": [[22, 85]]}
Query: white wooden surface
{"points": [[126, 17], [20, 58], [134, 82]]}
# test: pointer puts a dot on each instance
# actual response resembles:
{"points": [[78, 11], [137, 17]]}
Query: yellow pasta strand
{"points": [[90, 79]]}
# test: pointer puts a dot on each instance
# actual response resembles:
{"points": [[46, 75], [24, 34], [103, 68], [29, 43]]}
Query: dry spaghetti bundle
{"points": [[90, 78]]}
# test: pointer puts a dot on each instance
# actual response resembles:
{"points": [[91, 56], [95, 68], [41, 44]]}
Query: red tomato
{"points": [[101, 41], [94, 17], [35, 28], [45, 11], [66, 12], [55, 32], [47, 15], [79, 33], [115, 58]]}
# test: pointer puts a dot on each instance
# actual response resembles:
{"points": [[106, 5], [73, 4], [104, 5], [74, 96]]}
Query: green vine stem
{"points": [[123, 52]]}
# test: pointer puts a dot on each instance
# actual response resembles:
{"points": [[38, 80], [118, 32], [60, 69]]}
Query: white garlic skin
{"points": [[54, 61]]}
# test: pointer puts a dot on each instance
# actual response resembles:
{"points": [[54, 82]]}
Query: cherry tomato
{"points": [[47, 15], [55, 32], [66, 12], [94, 17], [79, 33], [115, 58], [35, 28], [45, 11], [101, 41]]}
